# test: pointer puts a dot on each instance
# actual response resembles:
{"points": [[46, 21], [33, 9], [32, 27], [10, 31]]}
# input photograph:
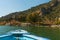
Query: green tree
{"points": [[33, 17]]}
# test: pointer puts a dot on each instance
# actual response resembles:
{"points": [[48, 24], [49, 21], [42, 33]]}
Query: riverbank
{"points": [[17, 23]]}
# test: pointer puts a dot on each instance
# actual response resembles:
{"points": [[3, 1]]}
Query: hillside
{"points": [[47, 13]]}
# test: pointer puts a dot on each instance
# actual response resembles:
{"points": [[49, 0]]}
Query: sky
{"points": [[9, 6]]}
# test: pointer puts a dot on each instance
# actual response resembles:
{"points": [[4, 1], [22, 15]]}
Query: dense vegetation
{"points": [[48, 13]]}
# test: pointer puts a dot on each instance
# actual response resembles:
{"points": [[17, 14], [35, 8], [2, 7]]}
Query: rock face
{"points": [[54, 3]]}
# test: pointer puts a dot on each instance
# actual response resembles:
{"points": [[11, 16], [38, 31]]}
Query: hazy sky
{"points": [[9, 6]]}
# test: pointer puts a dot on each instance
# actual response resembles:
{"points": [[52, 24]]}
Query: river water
{"points": [[6, 29]]}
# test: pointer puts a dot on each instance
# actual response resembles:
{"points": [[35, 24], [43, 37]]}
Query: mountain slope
{"points": [[48, 13]]}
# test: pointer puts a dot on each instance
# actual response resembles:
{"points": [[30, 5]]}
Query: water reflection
{"points": [[5, 29]]}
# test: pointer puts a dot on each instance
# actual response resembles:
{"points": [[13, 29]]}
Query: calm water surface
{"points": [[5, 29], [46, 32]]}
